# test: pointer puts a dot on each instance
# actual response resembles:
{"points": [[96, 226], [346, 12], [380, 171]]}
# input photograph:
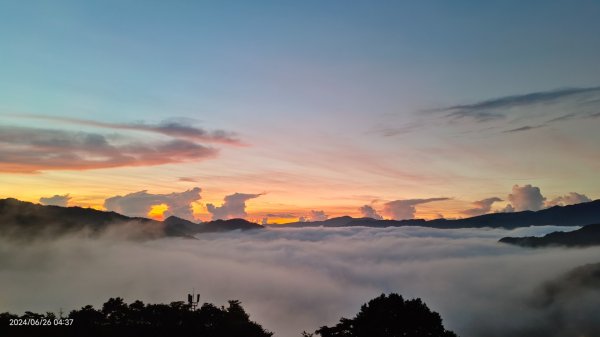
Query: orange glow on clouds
{"points": [[199, 211], [157, 212]]}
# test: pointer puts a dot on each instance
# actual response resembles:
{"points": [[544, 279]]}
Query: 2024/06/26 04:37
{"points": [[40, 321]]}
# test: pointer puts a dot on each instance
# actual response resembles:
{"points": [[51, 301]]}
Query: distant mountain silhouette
{"points": [[229, 225], [571, 215], [27, 220], [342, 221], [586, 236], [175, 226]]}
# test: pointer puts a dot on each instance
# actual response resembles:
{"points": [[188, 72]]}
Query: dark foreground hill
{"points": [[571, 215], [384, 316], [117, 318], [586, 236], [25, 220]]}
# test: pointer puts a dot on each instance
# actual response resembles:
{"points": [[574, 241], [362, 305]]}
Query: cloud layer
{"points": [[139, 203], [296, 279]]}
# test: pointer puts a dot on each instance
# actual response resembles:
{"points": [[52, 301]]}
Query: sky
{"points": [[283, 110]]}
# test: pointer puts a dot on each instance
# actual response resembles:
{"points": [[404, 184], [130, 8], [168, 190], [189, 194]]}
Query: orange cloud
{"points": [[31, 150]]}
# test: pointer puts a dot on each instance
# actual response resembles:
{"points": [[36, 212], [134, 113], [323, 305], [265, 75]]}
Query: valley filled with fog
{"points": [[295, 279]]}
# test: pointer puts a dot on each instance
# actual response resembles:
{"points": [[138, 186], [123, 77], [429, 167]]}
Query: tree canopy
{"points": [[389, 316], [117, 318], [384, 316]]}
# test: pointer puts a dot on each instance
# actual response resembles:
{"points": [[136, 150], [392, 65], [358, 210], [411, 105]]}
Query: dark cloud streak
{"points": [[488, 110], [172, 128], [524, 128]]}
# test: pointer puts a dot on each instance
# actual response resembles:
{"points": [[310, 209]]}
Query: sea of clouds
{"points": [[295, 279]]}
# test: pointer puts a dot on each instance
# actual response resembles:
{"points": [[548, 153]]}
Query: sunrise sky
{"points": [[281, 110]]}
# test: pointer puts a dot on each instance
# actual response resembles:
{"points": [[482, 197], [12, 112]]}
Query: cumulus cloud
{"points": [[234, 206], [30, 150], [405, 209], [481, 206], [369, 212], [294, 279], [317, 216], [140, 203], [570, 199], [526, 198], [507, 209], [56, 200]]}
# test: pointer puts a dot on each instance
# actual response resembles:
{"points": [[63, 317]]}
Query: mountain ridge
{"points": [[28, 220], [21, 218], [586, 236], [570, 215]]}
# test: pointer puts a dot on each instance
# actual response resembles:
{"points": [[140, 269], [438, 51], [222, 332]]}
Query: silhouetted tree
{"points": [[390, 316], [115, 311], [88, 316], [117, 318]]}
